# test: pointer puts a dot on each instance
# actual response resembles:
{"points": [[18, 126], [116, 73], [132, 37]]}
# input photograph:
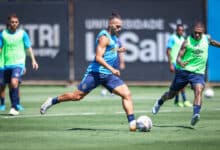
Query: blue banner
{"points": [[214, 31]]}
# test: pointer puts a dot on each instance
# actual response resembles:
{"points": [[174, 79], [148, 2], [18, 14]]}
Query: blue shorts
{"points": [[182, 78], [2, 79], [94, 79], [13, 73]]}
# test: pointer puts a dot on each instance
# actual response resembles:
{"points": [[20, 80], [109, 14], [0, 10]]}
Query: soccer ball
{"points": [[209, 93], [144, 123]]}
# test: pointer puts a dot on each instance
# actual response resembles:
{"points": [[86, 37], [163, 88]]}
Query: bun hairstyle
{"points": [[114, 15]]}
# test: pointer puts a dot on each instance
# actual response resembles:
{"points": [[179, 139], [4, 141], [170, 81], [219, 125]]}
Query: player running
{"points": [[191, 65], [173, 46]]}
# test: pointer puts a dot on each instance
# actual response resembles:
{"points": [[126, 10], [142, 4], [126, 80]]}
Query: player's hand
{"points": [[172, 69], [116, 72], [183, 64], [35, 66], [122, 49]]}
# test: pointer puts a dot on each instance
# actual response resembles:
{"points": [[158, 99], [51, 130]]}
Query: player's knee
{"points": [[127, 95], [77, 96]]}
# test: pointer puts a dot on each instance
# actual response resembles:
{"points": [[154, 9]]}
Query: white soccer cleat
{"points": [[156, 108], [13, 112], [132, 126], [45, 106]]}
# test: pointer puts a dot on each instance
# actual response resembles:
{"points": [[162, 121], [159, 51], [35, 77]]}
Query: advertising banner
{"points": [[147, 26], [47, 26], [214, 31]]}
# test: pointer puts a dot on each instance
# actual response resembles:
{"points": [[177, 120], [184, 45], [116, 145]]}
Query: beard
{"points": [[114, 31]]}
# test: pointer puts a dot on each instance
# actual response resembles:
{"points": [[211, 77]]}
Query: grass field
{"points": [[99, 123]]}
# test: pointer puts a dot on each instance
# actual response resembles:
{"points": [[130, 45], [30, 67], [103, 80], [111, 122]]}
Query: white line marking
{"points": [[90, 113]]}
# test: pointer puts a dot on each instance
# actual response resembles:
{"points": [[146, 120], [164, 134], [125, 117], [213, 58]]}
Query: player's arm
{"points": [[33, 60], [28, 47], [121, 61], [213, 42], [121, 49], [170, 44], [1, 42], [100, 50], [180, 55], [172, 69]]}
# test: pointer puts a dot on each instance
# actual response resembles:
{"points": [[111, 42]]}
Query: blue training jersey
{"points": [[110, 55]]}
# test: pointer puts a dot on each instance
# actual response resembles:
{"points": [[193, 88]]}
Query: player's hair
{"points": [[199, 24], [179, 25], [12, 16], [114, 15]]}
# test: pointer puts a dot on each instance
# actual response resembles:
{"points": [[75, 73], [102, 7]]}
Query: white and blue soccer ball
{"points": [[209, 93], [144, 123]]}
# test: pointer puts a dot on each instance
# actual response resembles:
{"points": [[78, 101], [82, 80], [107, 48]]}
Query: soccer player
{"points": [[174, 44], [14, 43], [191, 65], [102, 72]]}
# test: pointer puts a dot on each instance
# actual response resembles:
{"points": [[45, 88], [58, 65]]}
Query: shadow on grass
{"points": [[90, 129], [176, 126], [5, 115]]}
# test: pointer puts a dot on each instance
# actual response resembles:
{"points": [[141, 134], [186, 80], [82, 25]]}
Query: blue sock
{"points": [[14, 97], [176, 98], [55, 100], [2, 99], [160, 102], [131, 117], [183, 96], [196, 109]]}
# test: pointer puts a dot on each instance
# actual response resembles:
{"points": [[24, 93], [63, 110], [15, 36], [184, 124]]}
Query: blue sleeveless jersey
{"points": [[110, 55]]}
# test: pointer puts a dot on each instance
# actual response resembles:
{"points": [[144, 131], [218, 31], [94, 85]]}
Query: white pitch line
{"points": [[51, 115], [88, 113]]}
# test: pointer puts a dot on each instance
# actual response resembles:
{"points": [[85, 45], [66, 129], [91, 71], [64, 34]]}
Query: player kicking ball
{"points": [[102, 72]]}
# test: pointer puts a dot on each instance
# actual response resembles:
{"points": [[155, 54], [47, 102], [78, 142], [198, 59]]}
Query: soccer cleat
{"points": [[2, 107], [19, 107], [46, 105], [195, 119], [179, 104], [13, 112], [132, 125], [156, 108], [187, 104]]}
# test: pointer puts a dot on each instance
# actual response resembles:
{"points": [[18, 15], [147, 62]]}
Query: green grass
{"points": [[99, 123]]}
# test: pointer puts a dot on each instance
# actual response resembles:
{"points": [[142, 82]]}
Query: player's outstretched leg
{"points": [[156, 107], [46, 105], [166, 96]]}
